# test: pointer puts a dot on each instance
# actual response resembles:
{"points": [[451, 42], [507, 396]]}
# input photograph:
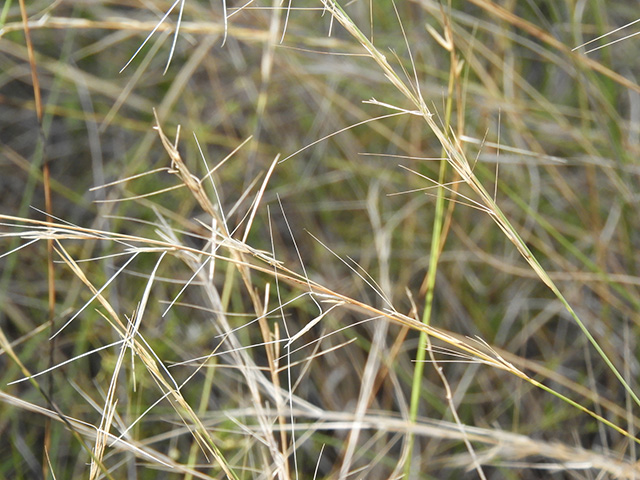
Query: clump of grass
{"points": [[331, 241]]}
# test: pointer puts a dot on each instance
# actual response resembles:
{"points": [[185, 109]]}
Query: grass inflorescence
{"points": [[319, 240]]}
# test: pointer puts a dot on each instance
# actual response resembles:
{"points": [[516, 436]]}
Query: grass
{"points": [[321, 240]]}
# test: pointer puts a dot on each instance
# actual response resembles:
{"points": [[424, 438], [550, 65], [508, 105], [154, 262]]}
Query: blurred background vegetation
{"points": [[556, 134]]}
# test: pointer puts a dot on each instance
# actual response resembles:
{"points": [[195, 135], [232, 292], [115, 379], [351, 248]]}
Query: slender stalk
{"points": [[437, 241]]}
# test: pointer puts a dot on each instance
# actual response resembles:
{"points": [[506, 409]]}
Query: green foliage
{"points": [[453, 184]]}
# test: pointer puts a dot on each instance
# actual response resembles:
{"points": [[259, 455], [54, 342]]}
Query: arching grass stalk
{"points": [[461, 165]]}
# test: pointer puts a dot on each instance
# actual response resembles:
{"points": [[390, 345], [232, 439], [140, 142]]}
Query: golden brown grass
{"points": [[365, 240]]}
